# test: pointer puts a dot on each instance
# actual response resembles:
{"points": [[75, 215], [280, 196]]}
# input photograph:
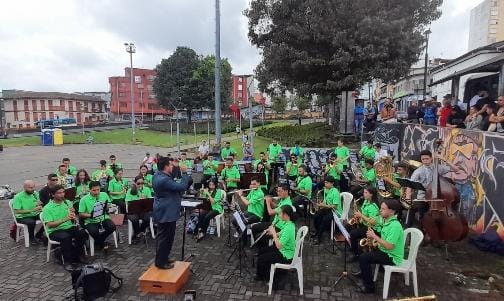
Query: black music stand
{"points": [[239, 248], [140, 208], [344, 274], [413, 185]]}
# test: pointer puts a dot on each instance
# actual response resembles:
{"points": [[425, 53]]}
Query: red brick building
{"points": [[239, 93], [145, 102]]}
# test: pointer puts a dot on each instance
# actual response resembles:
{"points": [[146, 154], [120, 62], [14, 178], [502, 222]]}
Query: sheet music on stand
{"points": [[342, 228], [239, 221], [410, 184]]}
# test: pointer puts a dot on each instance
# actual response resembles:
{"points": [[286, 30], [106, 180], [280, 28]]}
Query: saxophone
{"points": [[367, 244], [318, 200], [355, 208]]}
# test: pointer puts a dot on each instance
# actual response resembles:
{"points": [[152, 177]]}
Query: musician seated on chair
{"points": [[117, 188], [254, 202], [82, 181], [284, 245], [399, 193], [324, 214], [390, 244], [364, 218], [102, 175], [367, 152], [215, 196], [27, 207], [273, 209], [209, 168], [333, 168], [292, 168], [227, 150], [61, 222], [45, 193], [368, 177], [230, 175], [303, 189], [138, 191], [64, 178], [96, 221]]}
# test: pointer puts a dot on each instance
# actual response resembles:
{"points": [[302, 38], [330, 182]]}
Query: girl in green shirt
{"points": [[138, 191], [283, 248], [144, 172], [82, 181], [117, 188], [215, 196], [369, 219]]}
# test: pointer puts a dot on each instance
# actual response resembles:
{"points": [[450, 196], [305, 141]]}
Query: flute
{"points": [[262, 235]]}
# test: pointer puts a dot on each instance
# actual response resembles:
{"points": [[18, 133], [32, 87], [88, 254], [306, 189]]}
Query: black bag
{"points": [[95, 281]]}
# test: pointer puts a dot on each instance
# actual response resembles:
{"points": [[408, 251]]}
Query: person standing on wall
{"points": [[166, 211]]}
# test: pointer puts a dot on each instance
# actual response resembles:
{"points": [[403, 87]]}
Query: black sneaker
{"points": [[34, 242], [166, 266]]}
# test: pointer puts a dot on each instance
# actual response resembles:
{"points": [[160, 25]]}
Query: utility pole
{"points": [[427, 33], [217, 75], [130, 48]]}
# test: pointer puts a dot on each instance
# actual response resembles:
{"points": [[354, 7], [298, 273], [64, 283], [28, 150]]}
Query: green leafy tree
{"points": [[302, 103], [324, 47], [185, 80], [279, 104]]}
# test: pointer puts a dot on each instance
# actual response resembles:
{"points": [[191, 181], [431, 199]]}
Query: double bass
{"points": [[442, 222]]}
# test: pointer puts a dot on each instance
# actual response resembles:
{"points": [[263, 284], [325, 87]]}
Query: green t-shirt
{"points": [[57, 211], [369, 175], [305, 183], [66, 180], [102, 176], [71, 170], [371, 210], [117, 164], [367, 152], [226, 152], [217, 205], [148, 182], [187, 163], [230, 173], [393, 233], [81, 190], [287, 238], [298, 151], [334, 171], [342, 152], [117, 186], [397, 191], [266, 171], [274, 151], [87, 203], [277, 222], [293, 169], [144, 193], [256, 203], [210, 168], [332, 197], [25, 201]]}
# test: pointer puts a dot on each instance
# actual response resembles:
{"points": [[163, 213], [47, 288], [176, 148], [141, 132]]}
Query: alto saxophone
{"points": [[356, 208], [318, 200], [368, 244]]}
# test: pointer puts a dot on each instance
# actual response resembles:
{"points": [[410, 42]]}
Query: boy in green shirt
{"points": [[72, 170], [292, 168], [303, 190], [209, 168], [263, 165], [324, 214], [367, 152], [227, 151], [390, 244], [231, 175], [102, 175], [113, 165], [27, 207], [60, 220], [342, 153], [368, 177], [138, 192], [254, 202], [274, 151], [93, 209], [64, 178], [185, 162], [117, 188]]}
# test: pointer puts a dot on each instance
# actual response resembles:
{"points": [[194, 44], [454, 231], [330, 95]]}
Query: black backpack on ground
{"points": [[95, 281]]}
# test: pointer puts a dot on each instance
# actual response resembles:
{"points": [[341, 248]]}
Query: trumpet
{"points": [[367, 244]]}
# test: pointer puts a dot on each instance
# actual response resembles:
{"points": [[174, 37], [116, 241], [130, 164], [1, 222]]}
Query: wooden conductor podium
{"points": [[170, 281]]}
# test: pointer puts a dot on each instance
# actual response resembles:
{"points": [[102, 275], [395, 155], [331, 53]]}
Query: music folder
{"points": [[140, 206], [410, 184], [342, 228]]}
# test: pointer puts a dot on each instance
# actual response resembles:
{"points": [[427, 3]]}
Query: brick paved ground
{"points": [[24, 274]]}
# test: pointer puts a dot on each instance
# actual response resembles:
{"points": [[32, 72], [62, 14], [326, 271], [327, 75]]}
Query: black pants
{"points": [[267, 257], [205, 220], [344, 184], [164, 242], [257, 230], [421, 208], [71, 241], [365, 262], [356, 235], [100, 237], [301, 205], [31, 222], [121, 204], [137, 226], [322, 219]]}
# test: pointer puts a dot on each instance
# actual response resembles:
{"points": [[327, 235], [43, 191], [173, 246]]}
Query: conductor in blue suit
{"points": [[168, 189]]}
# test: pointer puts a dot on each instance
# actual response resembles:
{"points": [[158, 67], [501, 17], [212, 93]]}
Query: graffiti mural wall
{"points": [[479, 159]]}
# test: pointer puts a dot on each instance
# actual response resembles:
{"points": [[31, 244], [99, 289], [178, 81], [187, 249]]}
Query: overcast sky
{"points": [[75, 45]]}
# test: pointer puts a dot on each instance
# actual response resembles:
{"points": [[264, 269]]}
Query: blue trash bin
{"points": [[47, 137]]}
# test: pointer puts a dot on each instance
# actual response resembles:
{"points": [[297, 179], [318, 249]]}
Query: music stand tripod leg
{"points": [[344, 274]]}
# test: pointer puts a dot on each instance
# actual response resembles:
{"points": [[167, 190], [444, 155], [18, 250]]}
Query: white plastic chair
{"points": [[92, 243], [23, 227], [50, 242], [297, 261], [130, 227], [347, 199], [407, 266]]}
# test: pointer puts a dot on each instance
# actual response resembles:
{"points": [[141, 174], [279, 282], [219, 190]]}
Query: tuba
{"points": [[319, 198], [384, 169]]}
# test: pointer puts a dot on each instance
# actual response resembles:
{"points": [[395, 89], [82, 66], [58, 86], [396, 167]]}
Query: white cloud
{"points": [[75, 45]]}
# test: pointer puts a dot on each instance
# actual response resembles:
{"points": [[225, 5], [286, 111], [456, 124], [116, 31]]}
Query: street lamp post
{"points": [[130, 48], [427, 33], [217, 74]]}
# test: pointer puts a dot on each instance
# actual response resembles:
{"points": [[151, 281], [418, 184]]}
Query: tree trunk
{"points": [[189, 116]]}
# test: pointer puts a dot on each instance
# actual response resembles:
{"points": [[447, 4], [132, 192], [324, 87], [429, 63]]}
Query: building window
{"points": [[51, 115], [35, 117], [14, 105], [34, 105], [16, 117], [121, 94], [27, 116], [122, 85], [123, 104], [70, 105], [42, 105], [26, 108]]}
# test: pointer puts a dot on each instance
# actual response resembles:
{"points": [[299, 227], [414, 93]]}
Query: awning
{"points": [[400, 94]]}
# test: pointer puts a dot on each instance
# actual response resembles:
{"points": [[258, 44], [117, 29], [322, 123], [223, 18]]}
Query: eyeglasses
{"points": [[140, 183]]}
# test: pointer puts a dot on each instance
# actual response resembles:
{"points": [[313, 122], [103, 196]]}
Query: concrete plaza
{"points": [[25, 275]]}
